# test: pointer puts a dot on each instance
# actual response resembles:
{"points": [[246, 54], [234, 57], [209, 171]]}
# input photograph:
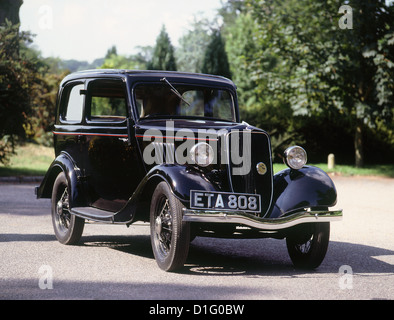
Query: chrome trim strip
{"points": [[89, 134], [250, 220]]}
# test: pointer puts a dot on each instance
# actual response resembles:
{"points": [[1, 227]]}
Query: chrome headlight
{"points": [[295, 157], [202, 154]]}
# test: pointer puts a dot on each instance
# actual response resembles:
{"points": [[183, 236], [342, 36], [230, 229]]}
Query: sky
{"points": [[85, 30]]}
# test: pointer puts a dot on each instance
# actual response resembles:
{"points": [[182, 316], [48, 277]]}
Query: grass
{"points": [[34, 160], [30, 160], [386, 170]]}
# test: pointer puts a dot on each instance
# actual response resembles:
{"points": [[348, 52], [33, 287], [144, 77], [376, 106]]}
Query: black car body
{"points": [[169, 148]]}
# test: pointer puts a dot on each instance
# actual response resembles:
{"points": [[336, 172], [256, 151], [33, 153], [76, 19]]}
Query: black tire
{"points": [[170, 236], [68, 227], [307, 244]]}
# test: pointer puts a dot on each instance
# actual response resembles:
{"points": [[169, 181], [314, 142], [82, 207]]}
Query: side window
{"points": [[107, 101], [73, 111]]}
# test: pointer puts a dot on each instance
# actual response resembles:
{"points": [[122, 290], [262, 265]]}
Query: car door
{"points": [[67, 133], [112, 165]]}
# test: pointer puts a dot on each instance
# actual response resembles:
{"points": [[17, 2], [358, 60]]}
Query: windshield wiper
{"points": [[175, 91]]}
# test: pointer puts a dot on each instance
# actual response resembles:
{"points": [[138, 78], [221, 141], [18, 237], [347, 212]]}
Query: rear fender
{"points": [[63, 163], [309, 187]]}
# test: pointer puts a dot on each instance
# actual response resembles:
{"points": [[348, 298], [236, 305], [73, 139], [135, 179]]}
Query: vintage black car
{"points": [[168, 148]]}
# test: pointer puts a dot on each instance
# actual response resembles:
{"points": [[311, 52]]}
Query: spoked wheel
{"points": [[68, 227], [307, 244], [170, 236]]}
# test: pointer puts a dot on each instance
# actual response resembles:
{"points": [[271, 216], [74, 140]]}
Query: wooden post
{"points": [[331, 161]]}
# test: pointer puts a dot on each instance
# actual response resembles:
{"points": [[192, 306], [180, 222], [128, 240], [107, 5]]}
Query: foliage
{"points": [[18, 77], [325, 71], [299, 76], [257, 106], [43, 95], [111, 51], [123, 62], [138, 61], [192, 46], [215, 58], [163, 53], [241, 49]]}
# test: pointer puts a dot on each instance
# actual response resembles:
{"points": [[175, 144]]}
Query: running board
{"points": [[94, 214]]}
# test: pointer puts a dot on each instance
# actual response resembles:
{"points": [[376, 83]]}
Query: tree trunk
{"points": [[10, 9], [358, 146]]}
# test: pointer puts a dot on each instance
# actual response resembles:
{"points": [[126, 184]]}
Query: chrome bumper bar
{"points": [[250, 220]]}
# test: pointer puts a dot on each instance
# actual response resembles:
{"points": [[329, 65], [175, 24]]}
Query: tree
{"points": [[43, 94], [229, 12], [215, 58], [123, 62], [18, 77], [326, 70], [9, 9], [111, 52], [241, 50], [192, 46], [137, 61], [163, 54]]}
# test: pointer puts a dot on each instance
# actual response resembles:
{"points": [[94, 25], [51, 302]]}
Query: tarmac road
{"points": [[115, 262]]}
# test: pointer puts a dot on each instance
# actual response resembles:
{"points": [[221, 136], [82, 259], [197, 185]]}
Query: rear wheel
{"points": [[68, 227], [170, 236], [307, 244]]}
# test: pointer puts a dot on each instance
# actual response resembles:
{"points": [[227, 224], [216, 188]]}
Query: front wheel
{"points": [[307, 244], [170, 236], [68, 227]]}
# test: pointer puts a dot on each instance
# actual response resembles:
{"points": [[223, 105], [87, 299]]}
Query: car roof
{"points": [[146, 74]]}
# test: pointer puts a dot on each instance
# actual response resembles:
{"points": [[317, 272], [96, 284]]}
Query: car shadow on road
{"points": [[254, 257], [26, 237], [271, 258], [251, 257], [138, 245]]}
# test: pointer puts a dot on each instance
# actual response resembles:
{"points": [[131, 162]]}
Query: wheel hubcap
{"points": [[163, 228], [158, 226], [304, 248], [59, 207], [63, 215]]}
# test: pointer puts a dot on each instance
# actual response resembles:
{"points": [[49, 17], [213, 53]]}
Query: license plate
{"points": [[225, 201]]}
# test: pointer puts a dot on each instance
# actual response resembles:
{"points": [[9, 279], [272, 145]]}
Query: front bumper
{"points": [[247, 219]]}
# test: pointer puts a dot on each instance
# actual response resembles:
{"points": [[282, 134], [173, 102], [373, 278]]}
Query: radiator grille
{"points": [[253, 148]]}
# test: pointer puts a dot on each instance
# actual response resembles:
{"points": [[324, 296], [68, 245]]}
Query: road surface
{"points": [[115, 262]]}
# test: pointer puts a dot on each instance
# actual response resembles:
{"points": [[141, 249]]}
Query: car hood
{"points": [[199, 125]]}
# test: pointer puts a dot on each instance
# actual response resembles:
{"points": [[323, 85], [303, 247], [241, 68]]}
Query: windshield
{"points": [[164, 100]]}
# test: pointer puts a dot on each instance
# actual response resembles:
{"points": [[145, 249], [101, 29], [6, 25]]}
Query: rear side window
{"points": [[107, 101], [74, 108]]}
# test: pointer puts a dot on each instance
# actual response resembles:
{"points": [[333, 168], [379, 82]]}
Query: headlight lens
{"points": [[202, 154], [295, 157]]}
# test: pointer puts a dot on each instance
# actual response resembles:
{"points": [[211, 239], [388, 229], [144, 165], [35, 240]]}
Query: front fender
{"points": [[309, 187], [181, 179], [63, 163]]}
